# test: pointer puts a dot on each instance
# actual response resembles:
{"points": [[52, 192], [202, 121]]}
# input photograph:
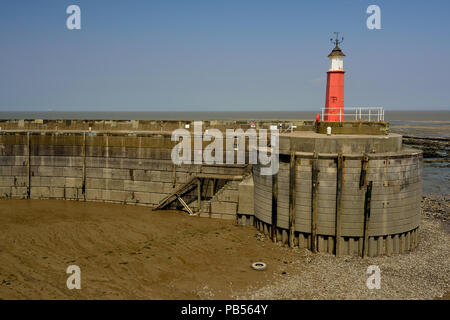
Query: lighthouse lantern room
{"points": [[334, 101]]}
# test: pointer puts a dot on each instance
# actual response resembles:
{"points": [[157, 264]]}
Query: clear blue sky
{"points": [[232, 55]]}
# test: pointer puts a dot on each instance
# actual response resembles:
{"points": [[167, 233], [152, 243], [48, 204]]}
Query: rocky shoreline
{"points": [[438, 208], [420, 274], [431, 147]]}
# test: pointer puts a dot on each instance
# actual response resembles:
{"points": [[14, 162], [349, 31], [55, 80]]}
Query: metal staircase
{"points": [[199, 182]]}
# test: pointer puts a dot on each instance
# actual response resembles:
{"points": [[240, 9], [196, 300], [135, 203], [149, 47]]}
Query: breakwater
{"points": [[350, 193]]}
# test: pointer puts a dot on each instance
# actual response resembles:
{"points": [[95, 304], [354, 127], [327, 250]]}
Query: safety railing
{"points": [[353, 114]]}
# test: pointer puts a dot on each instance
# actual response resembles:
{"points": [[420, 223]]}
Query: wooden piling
{"points": [[302, 241], [83, 186], [389, 245], [292, 177], [274, 206], [367, 201], [331, 245], [315, 182], [407, 241], [28, 166], [340, 163], [215, 186], [199, 193], [284, 236], [363, 176]]}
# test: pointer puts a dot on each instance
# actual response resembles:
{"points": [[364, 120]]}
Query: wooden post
{"points": [[206, 182], [274, 206], [83, 187], [292, 176], [215, 186], [315, 182], [28, 165], [363, 176], [367, 218], [199, 193], [340, 163]]}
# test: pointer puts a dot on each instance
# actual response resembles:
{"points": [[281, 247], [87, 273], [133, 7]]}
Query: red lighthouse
{"points": [[334, 100]]}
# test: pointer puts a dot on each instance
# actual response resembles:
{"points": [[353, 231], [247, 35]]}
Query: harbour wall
{"points": [[125, 168], [394, 205], [317, 200]]}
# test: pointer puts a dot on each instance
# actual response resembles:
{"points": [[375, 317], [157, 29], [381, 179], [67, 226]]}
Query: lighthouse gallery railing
{"points": [[355, 114]]}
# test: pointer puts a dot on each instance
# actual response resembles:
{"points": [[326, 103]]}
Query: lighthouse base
{"points": [[342, 194], [354, 127]]}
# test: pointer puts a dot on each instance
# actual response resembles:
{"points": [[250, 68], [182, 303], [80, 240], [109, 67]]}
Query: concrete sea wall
{"points": [[112, 167], [317, 200], [353, 194]]}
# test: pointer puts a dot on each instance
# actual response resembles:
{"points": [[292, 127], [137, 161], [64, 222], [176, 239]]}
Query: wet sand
{"points": [[126, 252], [131, 252]]}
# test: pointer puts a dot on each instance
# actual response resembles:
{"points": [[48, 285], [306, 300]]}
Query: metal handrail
{"points": [[375, 114]]}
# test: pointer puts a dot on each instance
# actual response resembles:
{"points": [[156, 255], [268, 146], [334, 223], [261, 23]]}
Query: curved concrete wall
{"points": [[395, 203], [345, 143]]}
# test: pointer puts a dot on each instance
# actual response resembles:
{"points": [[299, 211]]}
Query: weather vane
{"points": [[337, 41]]}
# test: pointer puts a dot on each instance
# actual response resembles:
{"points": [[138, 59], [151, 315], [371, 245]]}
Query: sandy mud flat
{"points": [[131, 252]]}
